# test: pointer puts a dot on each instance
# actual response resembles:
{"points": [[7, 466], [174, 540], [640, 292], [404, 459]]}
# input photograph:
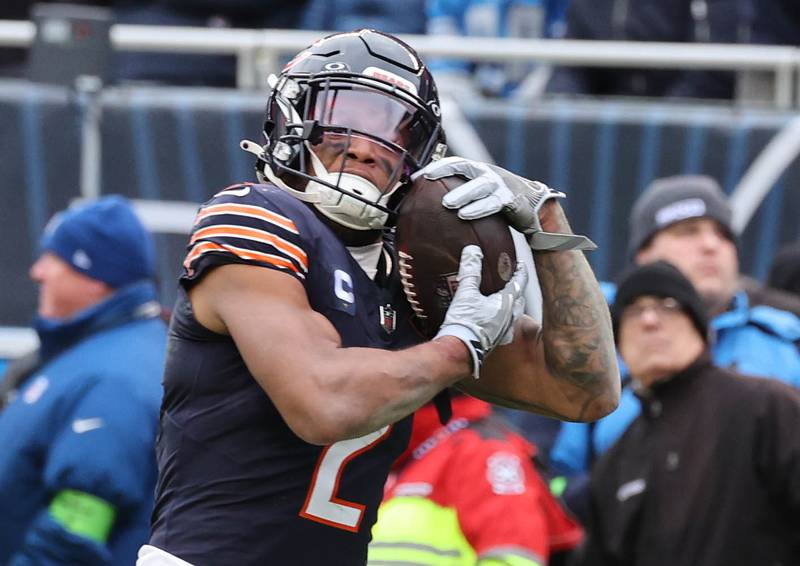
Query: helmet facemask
{"points": [[371, 134]]}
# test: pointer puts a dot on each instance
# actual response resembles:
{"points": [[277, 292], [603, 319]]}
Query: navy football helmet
{"points": [[348, 89]]}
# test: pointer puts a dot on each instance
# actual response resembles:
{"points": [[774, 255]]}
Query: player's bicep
{"points": [[517, 375], [266, 312], [280, 338]]}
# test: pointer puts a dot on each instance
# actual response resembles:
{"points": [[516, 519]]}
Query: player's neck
{"points": [[367, 257], [348, 236]]}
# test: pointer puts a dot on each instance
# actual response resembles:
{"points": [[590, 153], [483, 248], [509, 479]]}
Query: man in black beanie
{"points": [[707, 473], [668, 319], [686, 221]]}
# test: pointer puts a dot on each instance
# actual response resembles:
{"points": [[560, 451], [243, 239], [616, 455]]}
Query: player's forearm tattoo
{"points": [[576, 329]]}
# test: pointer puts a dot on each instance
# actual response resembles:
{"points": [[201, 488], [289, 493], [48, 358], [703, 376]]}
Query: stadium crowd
{"points": [[698, 465], [767, 22]]}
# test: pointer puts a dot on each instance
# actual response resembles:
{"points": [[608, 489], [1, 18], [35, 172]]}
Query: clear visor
{"points": [[381, 164], [376, 114]]}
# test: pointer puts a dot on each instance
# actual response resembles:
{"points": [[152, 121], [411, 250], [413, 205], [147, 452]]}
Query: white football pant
{"points": [[152, 556]]}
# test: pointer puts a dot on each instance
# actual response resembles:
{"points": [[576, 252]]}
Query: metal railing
{"points": [[16, 342], [258, 52]]}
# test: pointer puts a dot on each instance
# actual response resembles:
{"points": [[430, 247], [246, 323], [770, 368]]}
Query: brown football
{"points": [[429, 240]]}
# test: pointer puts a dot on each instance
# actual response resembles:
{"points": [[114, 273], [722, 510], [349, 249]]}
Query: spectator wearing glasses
{"points": [[708, 472]]}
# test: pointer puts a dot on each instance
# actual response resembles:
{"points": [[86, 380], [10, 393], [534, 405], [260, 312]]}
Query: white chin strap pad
{"points": [[342, 208]]}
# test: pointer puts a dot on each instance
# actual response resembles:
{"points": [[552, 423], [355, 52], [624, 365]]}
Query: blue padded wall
{"points": [[182, 144], [39, 165]]}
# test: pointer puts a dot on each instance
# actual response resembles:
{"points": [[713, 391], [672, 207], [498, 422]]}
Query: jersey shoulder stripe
{"points": [[242, 224], [231, 232], [274, 260], [248, 211]]}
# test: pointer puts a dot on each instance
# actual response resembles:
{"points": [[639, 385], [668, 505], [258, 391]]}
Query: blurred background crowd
{"points": [[658, 163], [770, 22]]}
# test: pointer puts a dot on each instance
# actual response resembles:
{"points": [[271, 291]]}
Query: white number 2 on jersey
{"points": [[322, 504]]}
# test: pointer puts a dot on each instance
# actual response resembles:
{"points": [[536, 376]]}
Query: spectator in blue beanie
{"points": [[77, 468]]}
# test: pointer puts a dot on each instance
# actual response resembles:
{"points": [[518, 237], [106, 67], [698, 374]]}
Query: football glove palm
{"points": [[482, 322]]}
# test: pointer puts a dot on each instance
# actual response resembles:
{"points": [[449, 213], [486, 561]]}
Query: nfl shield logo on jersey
{"points": [[388, 318]]}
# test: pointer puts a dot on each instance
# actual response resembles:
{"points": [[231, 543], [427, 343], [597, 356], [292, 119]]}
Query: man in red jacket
{"points": [[469, 493]]}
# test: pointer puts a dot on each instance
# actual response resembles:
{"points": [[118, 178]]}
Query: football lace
{"points": [[407, 280]]}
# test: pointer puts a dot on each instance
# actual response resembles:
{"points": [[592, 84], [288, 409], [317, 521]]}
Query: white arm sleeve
{"points": [[532, 292]]}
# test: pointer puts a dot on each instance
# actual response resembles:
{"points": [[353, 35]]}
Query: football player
{"points": [[292, 365]]}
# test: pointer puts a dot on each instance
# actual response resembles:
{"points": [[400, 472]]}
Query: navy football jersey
{"points": [[236, 485]]}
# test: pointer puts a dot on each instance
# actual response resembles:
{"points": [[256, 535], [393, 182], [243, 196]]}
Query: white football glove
{"points": [[492, 189], [479, 321]]}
